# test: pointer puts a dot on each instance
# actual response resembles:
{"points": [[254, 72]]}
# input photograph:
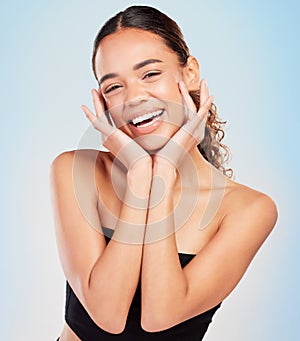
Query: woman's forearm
{"points": [[163, 281], [114, 278]]}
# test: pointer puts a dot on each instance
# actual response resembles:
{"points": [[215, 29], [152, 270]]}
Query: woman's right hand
{"points": [[125, 149]]}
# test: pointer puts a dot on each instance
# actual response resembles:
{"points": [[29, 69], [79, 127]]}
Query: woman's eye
{"points": [[151, 74], [111, 88]]}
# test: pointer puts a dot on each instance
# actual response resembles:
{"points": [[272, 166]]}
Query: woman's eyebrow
{"points": [[146, 62], [108, 76], [135, 67]]}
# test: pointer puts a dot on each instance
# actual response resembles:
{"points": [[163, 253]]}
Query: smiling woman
{"points": [[137, 78], [152, 235]]}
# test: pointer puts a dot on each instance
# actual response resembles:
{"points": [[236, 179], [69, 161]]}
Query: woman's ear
{"points": [[191, 74]]}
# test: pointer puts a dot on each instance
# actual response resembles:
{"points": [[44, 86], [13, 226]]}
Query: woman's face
{"points": [[139, 77]]}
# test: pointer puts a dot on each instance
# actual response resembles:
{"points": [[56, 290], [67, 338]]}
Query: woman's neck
{"points": [[194, 168]]}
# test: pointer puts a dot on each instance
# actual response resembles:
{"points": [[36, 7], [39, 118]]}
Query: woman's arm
{"points": [[163, 282], [170, 294], [104, 278]]}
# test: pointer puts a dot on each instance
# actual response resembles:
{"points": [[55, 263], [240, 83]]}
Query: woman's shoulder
{"points": [[247, 201], [83, 171], [81, 158], [245, 193]]}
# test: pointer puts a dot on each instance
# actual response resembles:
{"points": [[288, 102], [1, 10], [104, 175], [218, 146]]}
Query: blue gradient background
{"points": [[249, 53]]}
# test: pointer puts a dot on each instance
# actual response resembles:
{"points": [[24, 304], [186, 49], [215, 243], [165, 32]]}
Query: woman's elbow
{"points": [[156, 322], [107, 316], [111, 323]]}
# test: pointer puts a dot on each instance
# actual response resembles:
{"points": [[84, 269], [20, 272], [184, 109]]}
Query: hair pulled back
{"points": [[152, 20]]}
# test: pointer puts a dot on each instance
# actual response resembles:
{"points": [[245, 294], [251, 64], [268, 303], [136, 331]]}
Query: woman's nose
{"points": [[135, 94]]}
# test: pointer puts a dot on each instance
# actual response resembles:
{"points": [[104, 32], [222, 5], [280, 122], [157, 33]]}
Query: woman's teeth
{"points": [[146, 118]]}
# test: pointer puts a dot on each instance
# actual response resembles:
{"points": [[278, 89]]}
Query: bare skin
{"points": [[224, 246], [191, 240]]}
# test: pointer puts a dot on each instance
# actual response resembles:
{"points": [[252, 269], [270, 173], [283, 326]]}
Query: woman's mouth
{"points": [[146, 119], [146, 123]]}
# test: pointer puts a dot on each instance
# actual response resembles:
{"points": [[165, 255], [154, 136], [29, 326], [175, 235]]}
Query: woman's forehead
{"points": [[128, 47]]}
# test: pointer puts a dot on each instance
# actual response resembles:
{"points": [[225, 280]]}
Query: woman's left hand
{"points": [[191, 133]]}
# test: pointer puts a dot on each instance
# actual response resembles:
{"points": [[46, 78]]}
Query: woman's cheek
{"points": [[116, 111], [168, 89], [113, 103], [107, 101]]}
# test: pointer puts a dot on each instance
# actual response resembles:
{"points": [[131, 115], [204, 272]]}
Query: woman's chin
{"points": [[152, 142]]}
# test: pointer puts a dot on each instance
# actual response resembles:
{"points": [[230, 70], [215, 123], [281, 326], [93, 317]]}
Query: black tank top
{"points": [[86, 329]]}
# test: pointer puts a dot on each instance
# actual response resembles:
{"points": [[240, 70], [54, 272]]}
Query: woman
{"points": [[152, 235]]}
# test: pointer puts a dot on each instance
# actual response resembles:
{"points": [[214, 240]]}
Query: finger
{"points": [[100, 124], [195, 128], [186, 97], [206, 91], [203, 91], [198, 122], [91, 117], [204, 109], [98, 101]]}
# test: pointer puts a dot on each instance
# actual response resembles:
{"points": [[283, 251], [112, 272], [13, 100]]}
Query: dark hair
{"points": [[152, 20]]}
